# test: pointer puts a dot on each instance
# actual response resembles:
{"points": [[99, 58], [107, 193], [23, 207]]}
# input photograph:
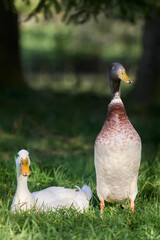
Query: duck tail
{"points": [[87, 190]]}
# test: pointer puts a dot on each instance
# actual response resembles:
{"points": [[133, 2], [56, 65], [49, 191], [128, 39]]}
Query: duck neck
{"points": [[115, 88], [23, 198], [22, 188]]}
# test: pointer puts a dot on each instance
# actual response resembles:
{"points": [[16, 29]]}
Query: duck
{"points": [[117, 148], [51, 198]]}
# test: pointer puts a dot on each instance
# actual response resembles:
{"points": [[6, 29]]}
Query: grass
{"points": [[58, 121], [58, 128], [55, 46]]}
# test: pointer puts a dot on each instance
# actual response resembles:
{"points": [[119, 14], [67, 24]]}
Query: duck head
{"points": [[117, 73], [22, 163]]}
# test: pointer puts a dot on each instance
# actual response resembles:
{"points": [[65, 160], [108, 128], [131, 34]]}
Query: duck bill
{"points": [[25, 167], [124, 77]]}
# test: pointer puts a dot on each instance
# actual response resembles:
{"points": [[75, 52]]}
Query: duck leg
{"points": [[102, 205], [132, 206]]}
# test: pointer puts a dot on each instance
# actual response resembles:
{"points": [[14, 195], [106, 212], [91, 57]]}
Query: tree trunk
{"points": [[147, 86], [10, 68]]}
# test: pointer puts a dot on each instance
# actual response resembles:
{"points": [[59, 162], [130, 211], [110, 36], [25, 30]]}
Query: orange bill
{"points": [[124, 77], [25, 167]]}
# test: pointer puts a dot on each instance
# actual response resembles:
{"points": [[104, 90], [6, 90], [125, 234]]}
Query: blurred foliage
{"points": [[80, 11]]}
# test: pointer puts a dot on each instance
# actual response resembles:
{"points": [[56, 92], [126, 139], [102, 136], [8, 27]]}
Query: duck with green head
{"points": [[117, 150]]}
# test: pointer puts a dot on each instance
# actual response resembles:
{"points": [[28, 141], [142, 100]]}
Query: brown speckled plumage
{"points": [[117, 122]]}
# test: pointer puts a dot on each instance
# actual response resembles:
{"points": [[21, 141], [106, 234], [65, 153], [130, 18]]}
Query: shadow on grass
{"points": [[39, 115]]}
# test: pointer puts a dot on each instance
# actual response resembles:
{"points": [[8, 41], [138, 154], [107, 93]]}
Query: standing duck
{"points": [[49, 198], [117, 150]]}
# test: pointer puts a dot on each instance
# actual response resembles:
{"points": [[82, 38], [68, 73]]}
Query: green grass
{"points": [[59, 129]]}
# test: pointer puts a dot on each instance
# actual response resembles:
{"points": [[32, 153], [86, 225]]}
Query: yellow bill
{"points": [[124, 77], [25, 167]]}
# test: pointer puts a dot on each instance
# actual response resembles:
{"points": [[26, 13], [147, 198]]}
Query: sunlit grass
{"points": [[77, 83], [55, 46]]}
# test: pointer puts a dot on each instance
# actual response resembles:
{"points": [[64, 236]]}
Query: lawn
{"points": [[58, 128]]}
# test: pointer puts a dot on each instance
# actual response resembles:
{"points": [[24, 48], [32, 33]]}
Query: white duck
{"points": [[50, 198], [117, 150]]}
